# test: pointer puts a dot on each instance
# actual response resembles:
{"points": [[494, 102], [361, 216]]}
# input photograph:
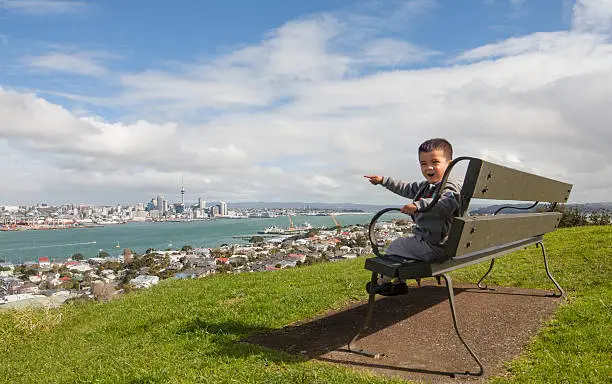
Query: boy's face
{"points": [[433, 165]]}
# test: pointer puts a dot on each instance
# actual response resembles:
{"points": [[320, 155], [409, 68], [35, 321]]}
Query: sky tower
{"points": [[182, 194]]}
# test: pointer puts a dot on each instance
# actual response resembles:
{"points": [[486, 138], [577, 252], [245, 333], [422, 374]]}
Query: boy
{"points": [[431, 227]]}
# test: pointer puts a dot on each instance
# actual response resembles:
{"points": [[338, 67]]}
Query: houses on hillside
{"points": [[143, 271]]}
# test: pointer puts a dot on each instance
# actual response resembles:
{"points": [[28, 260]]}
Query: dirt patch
{"points": [[415, 334]]}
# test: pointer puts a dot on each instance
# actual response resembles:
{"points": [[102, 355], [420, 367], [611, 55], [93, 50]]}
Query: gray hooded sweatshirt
{"points": [[433, 225]]}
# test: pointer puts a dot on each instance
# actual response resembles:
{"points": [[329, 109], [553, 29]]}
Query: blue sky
{"points": [[283, 101], [147, 33], [139, 35]]}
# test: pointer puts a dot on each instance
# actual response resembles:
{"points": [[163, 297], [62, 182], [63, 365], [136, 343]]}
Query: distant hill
{"points": [[475, 208], [314, 206], [584, 208]]}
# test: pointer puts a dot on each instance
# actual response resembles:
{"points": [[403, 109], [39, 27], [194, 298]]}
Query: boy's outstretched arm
{"points": [[402, 188], [374, 179]]}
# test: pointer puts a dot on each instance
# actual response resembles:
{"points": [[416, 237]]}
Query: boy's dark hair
{"points": [[437, 143]]}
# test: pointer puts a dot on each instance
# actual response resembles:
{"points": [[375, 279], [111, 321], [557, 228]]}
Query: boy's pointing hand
{"points": [[374, 179]]}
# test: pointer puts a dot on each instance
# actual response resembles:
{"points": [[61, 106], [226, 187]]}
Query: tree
{"points": [[102, 291], [599, 218], [256, 239], [114, 265], [570, 217], [103, 254], [147, 260], [77, 256], [187, 248], [216, 253], [361, 240], [312, 232]]}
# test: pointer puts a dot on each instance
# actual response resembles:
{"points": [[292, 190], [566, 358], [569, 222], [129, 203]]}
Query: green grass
{"points": [[186, 331]]}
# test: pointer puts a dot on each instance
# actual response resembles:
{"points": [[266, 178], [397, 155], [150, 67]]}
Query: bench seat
{"points": [[395, 266]]}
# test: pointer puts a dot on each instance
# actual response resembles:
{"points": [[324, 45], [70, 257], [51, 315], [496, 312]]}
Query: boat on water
{"points": [[275, 230], [107, 222], [301, 228]]}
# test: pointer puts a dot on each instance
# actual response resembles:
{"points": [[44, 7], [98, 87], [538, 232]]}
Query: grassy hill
{"points": [[186, 331]]}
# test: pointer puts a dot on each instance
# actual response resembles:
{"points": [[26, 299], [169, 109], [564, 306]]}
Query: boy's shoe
{"points": [[388, 289]]}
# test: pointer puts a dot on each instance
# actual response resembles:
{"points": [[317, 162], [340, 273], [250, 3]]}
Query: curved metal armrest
{"points": [[436, 194], [515, 207], [373, 225]]}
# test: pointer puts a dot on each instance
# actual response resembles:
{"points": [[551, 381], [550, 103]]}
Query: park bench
{"points": [[475, 239]]}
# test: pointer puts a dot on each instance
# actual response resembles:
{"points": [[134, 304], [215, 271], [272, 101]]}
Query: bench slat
{"points": [[486, 180], [483, 255], [475, 233]]}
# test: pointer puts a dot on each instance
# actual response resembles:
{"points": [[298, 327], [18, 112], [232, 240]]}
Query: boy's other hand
{"points": [[374, 179], [409, 209]]}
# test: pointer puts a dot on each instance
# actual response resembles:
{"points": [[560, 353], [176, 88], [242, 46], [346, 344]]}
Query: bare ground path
{"points": [[414, 332]]}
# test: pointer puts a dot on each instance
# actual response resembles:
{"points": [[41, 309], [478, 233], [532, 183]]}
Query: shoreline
{"points": [[47, 228]]}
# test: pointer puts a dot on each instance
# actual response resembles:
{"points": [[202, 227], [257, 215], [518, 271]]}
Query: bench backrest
{"points": [[485, 180]]}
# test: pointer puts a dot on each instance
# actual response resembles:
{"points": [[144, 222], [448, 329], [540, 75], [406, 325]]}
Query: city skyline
{"points": [[105, 102]]}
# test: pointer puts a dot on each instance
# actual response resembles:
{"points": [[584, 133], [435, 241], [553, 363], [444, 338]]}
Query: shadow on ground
{"points": [[415, 335]]}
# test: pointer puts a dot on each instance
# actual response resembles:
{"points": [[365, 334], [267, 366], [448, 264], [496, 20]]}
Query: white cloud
{"points": [[296, 117], [253, 76], [81, 63], [554, 42], [593, 16], [392, 52], [300, 54], [44, 6]]}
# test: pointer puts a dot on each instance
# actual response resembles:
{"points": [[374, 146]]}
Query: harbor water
{"points": [[22, 246]]}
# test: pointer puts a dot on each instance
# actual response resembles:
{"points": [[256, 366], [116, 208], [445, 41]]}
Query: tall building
{"points": [[160, 203], [214, 211], [164, 205], [201, 203], [223, 208]]}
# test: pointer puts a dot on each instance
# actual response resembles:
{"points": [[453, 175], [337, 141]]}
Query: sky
{"points": [[117, 101]]}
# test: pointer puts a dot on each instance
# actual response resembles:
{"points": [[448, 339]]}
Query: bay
{"points": [[22, 246]]}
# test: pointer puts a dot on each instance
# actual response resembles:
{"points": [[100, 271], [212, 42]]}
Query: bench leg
{"points": [[364, 326], [451, 300], [485, 275], [561, 292]]}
